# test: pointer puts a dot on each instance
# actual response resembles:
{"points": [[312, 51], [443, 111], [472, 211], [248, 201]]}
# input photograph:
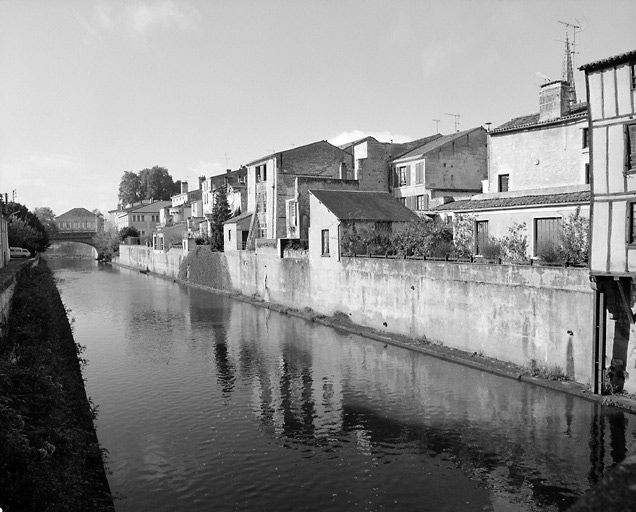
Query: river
{"points": [[209, 403]]}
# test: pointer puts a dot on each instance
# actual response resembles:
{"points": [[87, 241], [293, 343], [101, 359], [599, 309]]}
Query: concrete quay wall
{"points": [[512, 313]]}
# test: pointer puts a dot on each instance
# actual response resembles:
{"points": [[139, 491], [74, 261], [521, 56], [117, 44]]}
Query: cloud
{"points": [[384, 136], [139, 18], [202, 168], [145, 17]]}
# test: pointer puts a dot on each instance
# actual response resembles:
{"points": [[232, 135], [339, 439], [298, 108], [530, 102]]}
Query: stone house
{"points": [[271, 181], [449, 165], [236, 188], [611, 93], [79, 219], [144, 217], [538, 173], [335, 212]]}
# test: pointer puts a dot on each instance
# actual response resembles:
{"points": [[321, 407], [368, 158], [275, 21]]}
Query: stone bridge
{"points": [[82, 237]]}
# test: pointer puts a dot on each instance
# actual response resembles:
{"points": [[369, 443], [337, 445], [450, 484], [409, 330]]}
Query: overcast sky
{"points": [[90, 89]]}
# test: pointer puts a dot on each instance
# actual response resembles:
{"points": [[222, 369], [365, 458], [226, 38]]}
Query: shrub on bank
{"points": [[49, 455]]}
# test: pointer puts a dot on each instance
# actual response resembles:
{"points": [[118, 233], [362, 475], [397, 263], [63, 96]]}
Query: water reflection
{"points": [[208, 403]]}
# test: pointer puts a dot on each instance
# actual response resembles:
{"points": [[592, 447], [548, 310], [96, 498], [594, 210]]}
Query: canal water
{"points": [[208, 403]]}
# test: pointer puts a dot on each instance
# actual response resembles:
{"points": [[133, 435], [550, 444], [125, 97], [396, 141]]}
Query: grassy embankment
{"points": [[50, 459]]}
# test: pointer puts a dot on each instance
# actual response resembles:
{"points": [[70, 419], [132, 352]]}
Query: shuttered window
{"points": [[547, 233], [631, 223], [631, 148], [403, 176]]}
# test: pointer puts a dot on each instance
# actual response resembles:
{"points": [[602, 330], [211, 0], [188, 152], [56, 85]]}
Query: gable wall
{"points": [[540, 158]]}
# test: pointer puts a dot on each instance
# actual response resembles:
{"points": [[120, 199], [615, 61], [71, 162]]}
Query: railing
{"points": [[479, 260]]}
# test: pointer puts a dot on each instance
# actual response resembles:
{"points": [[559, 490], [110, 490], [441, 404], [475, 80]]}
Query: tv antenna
{"points": [[437, 121], [545, 77], [567, 74], [456, 116]]}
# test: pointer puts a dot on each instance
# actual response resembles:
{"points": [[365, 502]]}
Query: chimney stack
{"points": [[554, 100], [184, 187]]}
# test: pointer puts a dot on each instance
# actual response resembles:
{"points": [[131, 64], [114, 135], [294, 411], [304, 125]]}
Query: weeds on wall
{"points": [[547, 372]]}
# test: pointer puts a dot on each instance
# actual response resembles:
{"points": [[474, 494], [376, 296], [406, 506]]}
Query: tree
{"points": [[47, 218], [25, 229], [107, 241], [220, 213], [128, 231], [129, 188], [156, 183]]}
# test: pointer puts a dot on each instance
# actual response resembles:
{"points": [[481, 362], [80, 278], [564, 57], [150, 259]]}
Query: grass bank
{"points": [[50, 459]]}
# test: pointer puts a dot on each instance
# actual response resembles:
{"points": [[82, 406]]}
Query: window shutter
{"points": [[419, 173], [631, 144], [408, 175]]}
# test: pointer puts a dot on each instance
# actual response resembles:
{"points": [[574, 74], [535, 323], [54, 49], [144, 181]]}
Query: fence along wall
{"points": [[512, 313]]}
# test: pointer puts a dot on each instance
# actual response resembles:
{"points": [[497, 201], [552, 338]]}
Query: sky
{"points": [[90, 89]]}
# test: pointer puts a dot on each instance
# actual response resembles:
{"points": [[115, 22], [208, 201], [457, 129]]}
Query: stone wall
{"points": [[513, 313]]}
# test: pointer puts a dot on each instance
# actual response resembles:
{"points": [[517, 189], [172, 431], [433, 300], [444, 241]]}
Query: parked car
{"points": [[19, 252]]}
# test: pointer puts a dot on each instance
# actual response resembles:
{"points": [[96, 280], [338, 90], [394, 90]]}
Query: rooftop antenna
{"points": [[437, 121], [226, 161], [547, 79], [456, 116], [568, 59]]}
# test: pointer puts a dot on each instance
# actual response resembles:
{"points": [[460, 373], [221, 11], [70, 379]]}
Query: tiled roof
{"points": [[399, 150], [358, 205], [76, 212], [511, 202], [609, 61], [239, 218], [347, 146], [434, 143], [286, 151], [578, 111], [151, 207]]}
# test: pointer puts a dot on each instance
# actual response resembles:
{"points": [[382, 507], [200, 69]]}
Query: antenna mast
{"points": [[568, 59], [456, 116], [437, 121]]}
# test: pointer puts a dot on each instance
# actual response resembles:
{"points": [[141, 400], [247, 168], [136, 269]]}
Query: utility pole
{"points": [[437, 121], [456, 116]]}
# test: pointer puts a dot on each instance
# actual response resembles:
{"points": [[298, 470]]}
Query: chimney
{"points": [[554, 100], [184, 187]]}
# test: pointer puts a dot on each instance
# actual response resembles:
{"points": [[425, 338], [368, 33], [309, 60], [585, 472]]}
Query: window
{"points": [[633, 66], [481, 235], [630, 148], [402, 200], [325, 242], [292, 213], [421, 202], [587, 174], [503, 182], [419, 173], [586, 138], [546, 234], [261, 172], [402, 174], [631, 223]]}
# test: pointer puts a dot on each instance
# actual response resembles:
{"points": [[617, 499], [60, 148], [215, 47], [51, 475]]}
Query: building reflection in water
{"points": [[315, 387]]}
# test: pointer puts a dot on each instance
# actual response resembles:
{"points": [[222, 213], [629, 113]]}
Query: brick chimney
{"points": [[554, 100]]}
